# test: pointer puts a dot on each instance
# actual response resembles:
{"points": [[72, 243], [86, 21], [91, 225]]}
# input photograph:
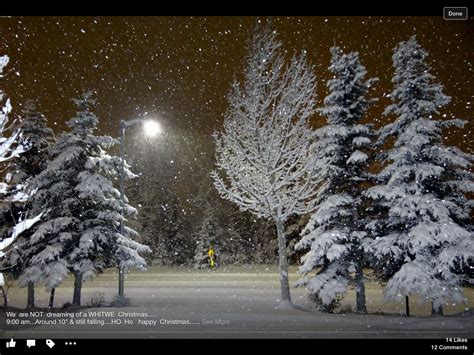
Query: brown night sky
{"points": [[181, 67]]}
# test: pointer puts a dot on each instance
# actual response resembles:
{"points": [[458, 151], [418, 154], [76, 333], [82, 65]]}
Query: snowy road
{"points": [[221, 304]]}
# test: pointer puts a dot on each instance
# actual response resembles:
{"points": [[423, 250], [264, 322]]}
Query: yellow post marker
{"points": [[210, 253]]}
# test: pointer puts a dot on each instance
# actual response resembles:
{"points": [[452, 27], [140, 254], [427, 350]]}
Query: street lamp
{"points": [[151, 128]]}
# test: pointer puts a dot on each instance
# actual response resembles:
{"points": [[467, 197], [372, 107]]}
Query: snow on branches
{"points": [[265, 155], [423, 239], [335, 231]]}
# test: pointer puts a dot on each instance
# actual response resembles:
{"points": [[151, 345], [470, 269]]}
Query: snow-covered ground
{"points": [[234, 302]]}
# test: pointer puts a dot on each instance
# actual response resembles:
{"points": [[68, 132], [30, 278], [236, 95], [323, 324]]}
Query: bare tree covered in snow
{"points": [[336, 231], [266, 152], [423, 234]]}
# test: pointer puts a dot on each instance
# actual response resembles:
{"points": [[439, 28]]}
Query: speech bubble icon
{"points": [[50, 343], [30, 342]]}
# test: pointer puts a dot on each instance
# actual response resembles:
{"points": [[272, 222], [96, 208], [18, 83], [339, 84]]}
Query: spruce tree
{"points": [[421, 233], [10, 148], [80, 228], [336, 231], [36, 137], [210, 234]]}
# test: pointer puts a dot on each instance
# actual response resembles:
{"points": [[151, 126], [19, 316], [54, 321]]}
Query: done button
{"points": [[455, 13]]}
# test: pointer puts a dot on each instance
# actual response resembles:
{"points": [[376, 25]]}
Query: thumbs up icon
{"points": [[11, 343]]}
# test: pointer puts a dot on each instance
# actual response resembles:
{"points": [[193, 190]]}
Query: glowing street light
{"points": [[151, 128]]}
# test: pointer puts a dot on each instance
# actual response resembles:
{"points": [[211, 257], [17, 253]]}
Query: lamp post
{"points": [[151, 128]]}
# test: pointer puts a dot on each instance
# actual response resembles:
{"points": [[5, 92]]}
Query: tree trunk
{"points": [[283, 263], [51, 297], [76, 299], [407, 306], [5, 299], [30, 302], [360, 289], [435, 312]]}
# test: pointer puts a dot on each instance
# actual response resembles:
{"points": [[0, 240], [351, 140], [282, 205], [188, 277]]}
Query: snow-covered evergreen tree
{"points": [[264, 247], [335, 232], [265, 155], [421, 236], [165, 229], [217, 225], [234, 245], [210, 234], [36, 137], [10, 148], [80, 232]]}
